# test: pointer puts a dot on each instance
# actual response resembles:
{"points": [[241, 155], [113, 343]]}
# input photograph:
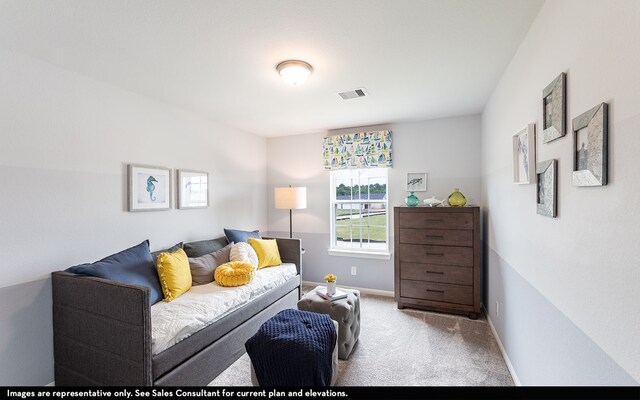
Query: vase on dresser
{"points": [[437, 259]]}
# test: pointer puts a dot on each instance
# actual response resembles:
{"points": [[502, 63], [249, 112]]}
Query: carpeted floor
{"points": [[409, 348]]}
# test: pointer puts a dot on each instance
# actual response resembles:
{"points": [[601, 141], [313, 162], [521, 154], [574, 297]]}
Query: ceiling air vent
{"points": [[353, 93]]}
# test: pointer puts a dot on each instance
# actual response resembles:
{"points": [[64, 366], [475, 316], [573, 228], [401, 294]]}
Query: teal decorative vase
{"points": [[412, 200], [457, 199]]}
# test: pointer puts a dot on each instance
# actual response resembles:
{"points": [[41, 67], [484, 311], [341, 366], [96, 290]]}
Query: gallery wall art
{"points": [[524, 155], [149, 188], [547, 188], [554, 106], [590, 137], [193, 189]]}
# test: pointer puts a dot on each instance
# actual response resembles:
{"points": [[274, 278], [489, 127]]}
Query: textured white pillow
{"points": [[242, 251]]}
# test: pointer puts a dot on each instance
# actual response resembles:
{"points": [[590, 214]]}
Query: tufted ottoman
{"points": [[294, 348], [345, 311]]}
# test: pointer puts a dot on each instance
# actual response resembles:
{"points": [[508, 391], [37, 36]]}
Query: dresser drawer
{"points": [[437, 273], [436, 292], [440, 255], [451, 237], [436, 220]]}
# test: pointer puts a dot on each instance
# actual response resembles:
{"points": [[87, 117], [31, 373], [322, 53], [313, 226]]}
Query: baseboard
{"points": [[512, 370], [377, 292]]}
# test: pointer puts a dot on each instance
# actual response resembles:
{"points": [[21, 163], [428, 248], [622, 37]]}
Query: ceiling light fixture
{"points": [[294, 72]]}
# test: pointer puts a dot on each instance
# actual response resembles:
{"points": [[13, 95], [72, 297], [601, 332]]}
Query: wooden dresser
{"points": [[437, 259]]}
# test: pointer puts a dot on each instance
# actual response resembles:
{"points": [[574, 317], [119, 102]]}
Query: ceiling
{"points": [[417, 59]]}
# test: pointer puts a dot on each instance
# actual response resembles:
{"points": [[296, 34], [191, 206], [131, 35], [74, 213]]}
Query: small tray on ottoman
{"points": [[344, 311]]}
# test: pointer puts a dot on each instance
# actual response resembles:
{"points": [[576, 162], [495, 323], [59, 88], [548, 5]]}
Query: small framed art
{"points": [[590, 137], [554, 109], [416, 181], [193, 189], [547, 192], [524, 155], [149, 188]]}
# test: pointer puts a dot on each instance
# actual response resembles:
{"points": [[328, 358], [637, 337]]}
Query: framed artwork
{"points": [[554, 109], [547, 193], [193, 189], [416, 181], [149, 188], [590, 137], [524, 155]]}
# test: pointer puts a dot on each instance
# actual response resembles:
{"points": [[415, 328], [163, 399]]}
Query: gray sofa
{"points": [[102, 332]]}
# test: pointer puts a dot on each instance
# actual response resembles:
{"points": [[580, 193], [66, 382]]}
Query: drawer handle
{"points": [[435, 254], [436, 220], [435, 291], [435, 237], [434, 272]]}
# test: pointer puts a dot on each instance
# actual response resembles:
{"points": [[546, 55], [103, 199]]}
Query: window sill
{"points": [[377, 255]]}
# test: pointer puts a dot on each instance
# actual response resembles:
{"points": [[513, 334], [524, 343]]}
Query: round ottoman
{"points": [[345, 311]]}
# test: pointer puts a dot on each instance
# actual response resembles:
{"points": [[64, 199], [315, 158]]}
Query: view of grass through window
{"points": [[360, 208]]}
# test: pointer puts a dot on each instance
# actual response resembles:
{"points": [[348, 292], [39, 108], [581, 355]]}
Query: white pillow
{"points": [[242, 251]]}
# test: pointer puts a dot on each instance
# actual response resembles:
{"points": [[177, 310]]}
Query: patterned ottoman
{"points": [[345, 311]]}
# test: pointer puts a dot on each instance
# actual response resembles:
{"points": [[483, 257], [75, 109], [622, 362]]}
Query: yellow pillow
{"points": [[267, 250], [234, 273], [174, 273]]}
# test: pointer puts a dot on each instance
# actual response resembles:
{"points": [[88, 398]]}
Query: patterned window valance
{"points": [[358, 150]]}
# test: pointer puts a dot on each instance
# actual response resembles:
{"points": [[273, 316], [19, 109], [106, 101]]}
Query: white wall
{"points": [[65, 143], [447, 149], [586, 262]]}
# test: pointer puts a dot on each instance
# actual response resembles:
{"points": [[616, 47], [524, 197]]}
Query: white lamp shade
{"points": [[291, 198]]}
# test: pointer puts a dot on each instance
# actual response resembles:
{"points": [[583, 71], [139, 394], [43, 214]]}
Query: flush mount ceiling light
{"points": [[294, 72]]}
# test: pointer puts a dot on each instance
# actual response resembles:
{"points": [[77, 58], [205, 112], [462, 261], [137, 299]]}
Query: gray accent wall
{"points": [[543, 345], [567, 287], [26, 334]]}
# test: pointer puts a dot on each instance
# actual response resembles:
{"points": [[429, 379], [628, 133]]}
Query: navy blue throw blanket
{"points": [[293, 348]]}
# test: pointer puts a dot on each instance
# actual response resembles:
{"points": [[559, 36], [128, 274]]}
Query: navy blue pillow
{"points": [[235, 235], [133, 265]]}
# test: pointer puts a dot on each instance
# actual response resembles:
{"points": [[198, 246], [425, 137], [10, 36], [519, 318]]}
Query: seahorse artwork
{"points": [[151, 187], [415, 181]]}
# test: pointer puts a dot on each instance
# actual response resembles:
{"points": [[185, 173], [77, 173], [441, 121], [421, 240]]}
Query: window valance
{"points": [[358, 150]]}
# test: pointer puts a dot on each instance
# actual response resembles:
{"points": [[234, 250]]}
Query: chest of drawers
{"points": [[437, 259]]}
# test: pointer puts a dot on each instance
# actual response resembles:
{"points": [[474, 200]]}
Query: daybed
{"points": [[103, 330]]}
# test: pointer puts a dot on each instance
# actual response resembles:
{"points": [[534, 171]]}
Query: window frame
{"points": [[384, 254]]}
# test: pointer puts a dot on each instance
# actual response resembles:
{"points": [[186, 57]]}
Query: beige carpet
{"points": [[409, 348]]}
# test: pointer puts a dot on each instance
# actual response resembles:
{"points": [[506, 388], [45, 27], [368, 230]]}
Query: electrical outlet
{"points": [[353, 270], [497, 309]]}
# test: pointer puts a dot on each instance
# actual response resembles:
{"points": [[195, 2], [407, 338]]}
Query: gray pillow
{"points": [[203, 267], [202, 247], [171, 249]]}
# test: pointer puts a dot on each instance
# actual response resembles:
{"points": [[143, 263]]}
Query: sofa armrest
{"points": [[102, 332], [290, 251]]}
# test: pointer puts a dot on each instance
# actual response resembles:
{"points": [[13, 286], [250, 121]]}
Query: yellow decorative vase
{"points": [[457, 199]]}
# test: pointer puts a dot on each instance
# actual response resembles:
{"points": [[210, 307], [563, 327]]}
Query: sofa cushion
{"points": [[202, 247], [267, 251], [245, 253], [236, 235], [203, 267], [133, 265], [234, 273], [155, 254], [174, 273]]}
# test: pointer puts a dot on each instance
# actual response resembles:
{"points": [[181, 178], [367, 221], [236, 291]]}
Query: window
{"points": [[359, 217]]}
